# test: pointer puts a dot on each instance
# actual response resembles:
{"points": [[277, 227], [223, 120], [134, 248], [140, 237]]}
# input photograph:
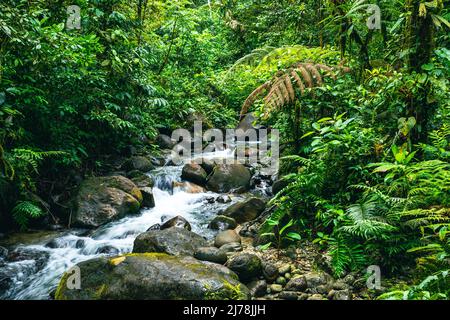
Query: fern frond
{"points": [[281, 90], [24, 211]]}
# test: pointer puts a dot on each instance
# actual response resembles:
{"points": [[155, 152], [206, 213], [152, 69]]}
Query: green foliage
{"points": [[433, 287], [367, 221], [346, 255], [280, 233], [24, 211]]}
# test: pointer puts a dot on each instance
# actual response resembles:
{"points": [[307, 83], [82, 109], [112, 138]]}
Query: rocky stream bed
{"points": [[159, 231]]}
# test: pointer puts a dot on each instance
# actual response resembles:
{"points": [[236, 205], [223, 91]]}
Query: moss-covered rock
{"points": [[247, 266], [104, 199], [152, 276], [140, 179], [174, 241]]}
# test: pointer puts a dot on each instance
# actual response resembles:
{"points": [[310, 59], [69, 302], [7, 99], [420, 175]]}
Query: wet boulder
{"points": [[318, 282], [156, 226], [342, 295], [223, 199], [207, 165], [246, 210], [222, 223], [177, 222], [228, 177], [288, 295], [148, 200], [193, 172], [153, 276], [211, 254], [297, 284], [270, 271], [104, 199], [109, 250], [173, 241]]}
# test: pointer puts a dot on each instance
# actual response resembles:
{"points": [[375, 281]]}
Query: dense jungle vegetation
{"points": [[363, 113]]}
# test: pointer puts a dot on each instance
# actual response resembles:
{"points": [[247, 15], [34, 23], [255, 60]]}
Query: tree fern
{"points": [[281, 89]]}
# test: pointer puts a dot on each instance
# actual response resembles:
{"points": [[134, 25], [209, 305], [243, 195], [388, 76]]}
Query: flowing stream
{"points": [[38, 268]]}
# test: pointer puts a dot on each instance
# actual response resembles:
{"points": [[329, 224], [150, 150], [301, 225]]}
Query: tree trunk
{"points": [[420, 39]]}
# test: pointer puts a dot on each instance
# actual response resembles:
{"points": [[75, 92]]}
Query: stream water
{"points": [[36, 273]]}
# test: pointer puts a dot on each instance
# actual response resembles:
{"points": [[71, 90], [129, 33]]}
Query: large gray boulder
{"points": [[246, 210], [173, 241], [104, 199], [152, 276], [193, 172], [227, 177]]}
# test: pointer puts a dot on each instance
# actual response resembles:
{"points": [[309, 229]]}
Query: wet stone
{"points": [[275, 288], [281, 281], [110, 250], [231, 247], [288, 295], [211, 254], [257, 288], [270, 272]]}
